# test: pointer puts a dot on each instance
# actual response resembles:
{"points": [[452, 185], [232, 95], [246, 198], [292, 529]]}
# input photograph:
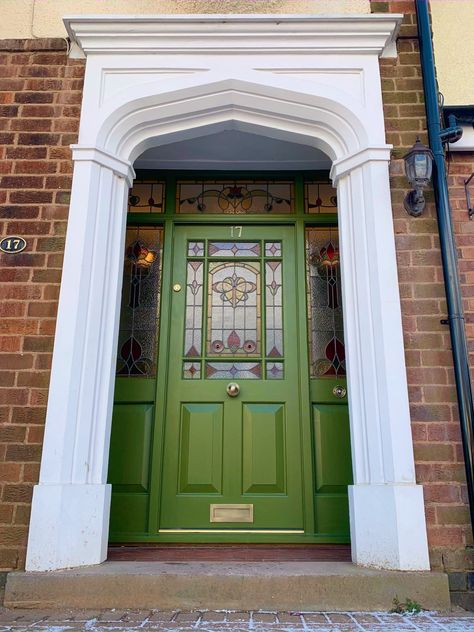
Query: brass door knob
{"points": [[339, 391], [233, 389]]}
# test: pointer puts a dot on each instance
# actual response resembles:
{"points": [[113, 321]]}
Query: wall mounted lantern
{"points": [[418, 168]]}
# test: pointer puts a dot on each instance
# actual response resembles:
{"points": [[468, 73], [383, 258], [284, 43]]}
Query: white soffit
{"points": [[226, 34]]}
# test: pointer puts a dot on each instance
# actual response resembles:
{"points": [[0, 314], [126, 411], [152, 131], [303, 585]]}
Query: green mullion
{"points": [[162, 380], [205, 309]]}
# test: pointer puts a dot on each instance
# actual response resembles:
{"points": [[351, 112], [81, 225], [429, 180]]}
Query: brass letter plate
{"points": [[231, 513]]}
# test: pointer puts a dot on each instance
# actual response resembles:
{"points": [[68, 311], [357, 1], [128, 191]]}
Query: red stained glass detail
{"points": [[336, 355], [233, 341], [274, 353]]}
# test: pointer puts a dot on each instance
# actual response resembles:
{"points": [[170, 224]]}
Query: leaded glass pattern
{"points": [[234, 249], [326, 344], [233, 370], [274, 308], [192, 370], [146, 196], [235, 196], [139, 316], [194, 306], [320, 197], [234, 310]]}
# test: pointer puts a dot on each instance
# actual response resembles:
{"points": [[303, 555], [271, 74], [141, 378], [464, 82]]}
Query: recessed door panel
{"points": [[263, 453], [332, 447], [130, 446], [200, 453]]}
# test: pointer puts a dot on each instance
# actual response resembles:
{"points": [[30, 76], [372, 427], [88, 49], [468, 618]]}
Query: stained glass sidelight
{"points": [[139, 316], [327, 353], [146, 196], [233, 309], [274, 309], [320, 197], [235, 196]]}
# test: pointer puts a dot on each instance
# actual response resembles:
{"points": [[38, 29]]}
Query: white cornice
{"points": [[226, 34]]}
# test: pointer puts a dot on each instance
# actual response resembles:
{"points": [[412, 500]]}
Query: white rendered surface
{"points": [[304, 80]]}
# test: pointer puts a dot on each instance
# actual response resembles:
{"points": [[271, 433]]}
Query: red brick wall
{"points": [[40, 92], [40, 96], [435, 424]]}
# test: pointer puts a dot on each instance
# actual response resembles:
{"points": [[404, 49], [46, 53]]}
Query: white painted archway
{"points": [[304, 79]]}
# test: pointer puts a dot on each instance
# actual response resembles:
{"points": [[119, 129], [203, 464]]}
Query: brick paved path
{"points": [[230, 621]]}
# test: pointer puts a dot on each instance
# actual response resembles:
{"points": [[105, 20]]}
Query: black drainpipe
{"points": [[448, 247]]}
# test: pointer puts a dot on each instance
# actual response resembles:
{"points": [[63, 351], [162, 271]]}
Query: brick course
{"points": [[40, 93]]}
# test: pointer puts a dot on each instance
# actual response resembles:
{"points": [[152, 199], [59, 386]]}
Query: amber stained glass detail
{"points": [[320, 197], [326, 344], [146, 196], [235, 196], [139, 316]]}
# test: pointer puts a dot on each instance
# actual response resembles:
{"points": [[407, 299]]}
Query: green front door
{"points": [[232, 440], [230, 416]]}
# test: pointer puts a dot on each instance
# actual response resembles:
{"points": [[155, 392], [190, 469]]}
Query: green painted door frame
{"points": [[143, 465]]}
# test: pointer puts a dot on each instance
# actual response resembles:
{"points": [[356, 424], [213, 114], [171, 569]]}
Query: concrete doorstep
{"points": [[316, 586]]}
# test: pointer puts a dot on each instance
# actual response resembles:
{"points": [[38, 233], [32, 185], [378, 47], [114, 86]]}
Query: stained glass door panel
{"points": [[234, 313]]}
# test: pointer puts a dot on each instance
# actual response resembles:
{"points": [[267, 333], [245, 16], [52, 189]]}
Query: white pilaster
{"points": [[70, 510], [386, 506]]}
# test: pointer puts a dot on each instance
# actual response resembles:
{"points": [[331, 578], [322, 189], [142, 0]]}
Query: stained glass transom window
{"points": [[320, 197], [326, 345], [234, 310], [139, 316], [235, 197], [146, 196]]}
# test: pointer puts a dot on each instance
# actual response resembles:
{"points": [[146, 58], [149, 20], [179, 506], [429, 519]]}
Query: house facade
{"points": [[220, 325]]}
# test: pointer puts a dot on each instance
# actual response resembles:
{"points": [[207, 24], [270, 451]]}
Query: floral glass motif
{"points": [[139, 316], [238, 294], [233, 309], [320, 197], [327, 352], [146, 196], [235, 196], [233, 370]]}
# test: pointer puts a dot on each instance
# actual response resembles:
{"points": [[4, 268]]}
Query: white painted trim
{"points": [[282, 77], [104, 158], [231, 33]]}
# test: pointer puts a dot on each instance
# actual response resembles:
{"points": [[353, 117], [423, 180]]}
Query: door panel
{"points": [[332, 446], [232, 323], [200, 453], [263, 453]]}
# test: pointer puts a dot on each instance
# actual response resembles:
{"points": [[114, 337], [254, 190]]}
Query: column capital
{"points": [[104, 158], [378, 153]]}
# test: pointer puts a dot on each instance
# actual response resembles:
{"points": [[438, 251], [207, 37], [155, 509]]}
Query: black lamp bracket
{"points": [[470, 209]]}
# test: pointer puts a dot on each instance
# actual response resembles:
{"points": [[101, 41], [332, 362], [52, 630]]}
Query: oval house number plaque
{"points": [[12, 245]]}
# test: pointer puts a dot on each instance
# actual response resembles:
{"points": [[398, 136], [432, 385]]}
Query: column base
{"points": [[388, 528], [68, 527]]}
